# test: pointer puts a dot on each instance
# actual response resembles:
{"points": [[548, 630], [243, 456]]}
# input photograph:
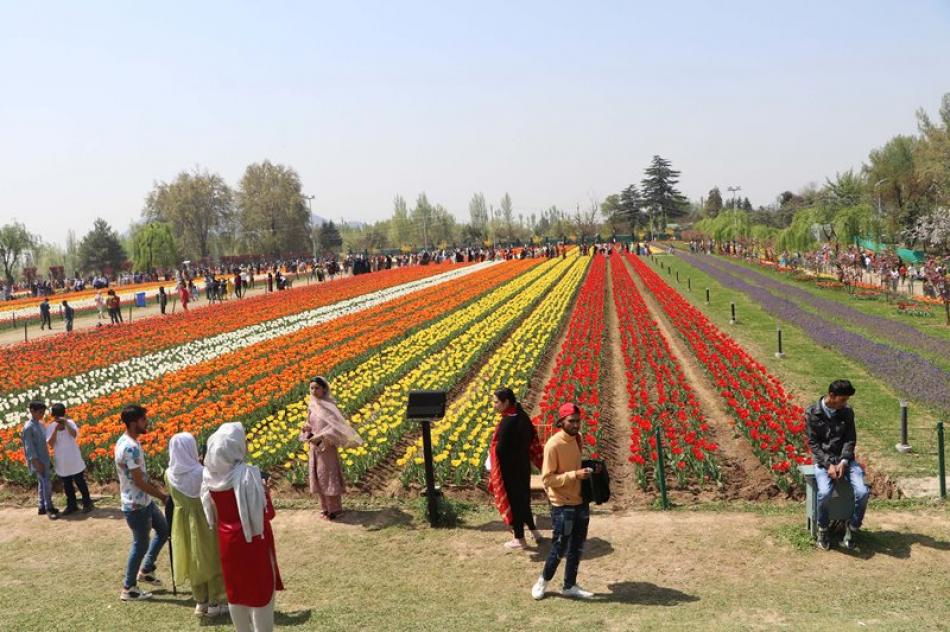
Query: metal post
{"points": [[707, 296], [732, 308], [903, 447], [941, 461], [689, 284], [130, 312], [14, 320], [677, 276], [25, 337], [660, 469], [431, 493], [779, 354]]}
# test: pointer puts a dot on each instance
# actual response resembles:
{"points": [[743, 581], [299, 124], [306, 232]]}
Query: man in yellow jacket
{"points": [[561, 475]]}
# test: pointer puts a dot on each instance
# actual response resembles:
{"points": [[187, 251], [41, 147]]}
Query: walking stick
{"points": [[169, 515]]}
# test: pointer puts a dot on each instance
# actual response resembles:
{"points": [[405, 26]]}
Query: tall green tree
{"points": [[478, 217], [15, 239], [400, 228], [660, 195], [507, 215], [197, 206], [713, 204], [153, 247], [611, 209], [896, 184], [100, 249], [848, 189], [932, 156], [421, 220], [329, 239], [272, 211]]}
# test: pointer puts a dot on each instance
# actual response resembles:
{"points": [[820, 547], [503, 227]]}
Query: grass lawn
{"points": [[380, 569], [808, 368]]}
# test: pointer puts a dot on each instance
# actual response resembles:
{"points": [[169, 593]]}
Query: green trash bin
{"points": [[840, 507]]}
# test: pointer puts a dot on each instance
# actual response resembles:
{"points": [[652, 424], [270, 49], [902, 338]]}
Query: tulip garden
{"points": [[540, 326]]}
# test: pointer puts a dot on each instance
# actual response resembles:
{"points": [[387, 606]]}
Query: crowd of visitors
{"points": [[850, 265]]}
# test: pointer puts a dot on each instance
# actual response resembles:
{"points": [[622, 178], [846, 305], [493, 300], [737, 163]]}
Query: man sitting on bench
{"points": [[831, 438]]}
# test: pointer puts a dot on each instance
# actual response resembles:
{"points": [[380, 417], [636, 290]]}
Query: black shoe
{"points": [[53, 515], [87, 507], [41, 511], [70, 509], [850, 538], [824, 539]]}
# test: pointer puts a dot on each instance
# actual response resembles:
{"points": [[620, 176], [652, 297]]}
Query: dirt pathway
{"points": [[624, 490], [743, 475]]}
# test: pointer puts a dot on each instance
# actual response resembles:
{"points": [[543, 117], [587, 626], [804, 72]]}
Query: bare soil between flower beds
{"points": [[743, 475]]}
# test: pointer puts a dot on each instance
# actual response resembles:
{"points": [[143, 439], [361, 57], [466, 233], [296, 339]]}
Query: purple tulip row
{"points": [[909, 374], [889, 329]]}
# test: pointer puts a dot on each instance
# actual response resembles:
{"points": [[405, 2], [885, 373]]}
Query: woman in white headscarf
{"points": [[194, 542], [326, 431], [238, 506]]}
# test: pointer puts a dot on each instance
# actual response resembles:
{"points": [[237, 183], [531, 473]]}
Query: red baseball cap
{"points": [[566, 410]]}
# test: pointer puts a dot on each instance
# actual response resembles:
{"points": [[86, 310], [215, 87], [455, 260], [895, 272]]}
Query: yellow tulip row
{"points": [[383, 422], [461, 440], [273, 437]]}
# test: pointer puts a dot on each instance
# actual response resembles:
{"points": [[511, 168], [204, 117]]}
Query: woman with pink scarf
{"points": [[326, 431]]}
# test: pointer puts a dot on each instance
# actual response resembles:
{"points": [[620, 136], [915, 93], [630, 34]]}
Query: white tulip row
{"points": [[87, 386]]}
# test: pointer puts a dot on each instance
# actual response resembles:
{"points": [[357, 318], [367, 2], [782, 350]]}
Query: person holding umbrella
{"points": [[194, 544]]}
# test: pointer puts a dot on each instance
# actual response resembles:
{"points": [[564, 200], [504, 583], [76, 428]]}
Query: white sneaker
{"points": [[515, 545], [215, 609], [201, 610], [537, 591], [577, 592]]}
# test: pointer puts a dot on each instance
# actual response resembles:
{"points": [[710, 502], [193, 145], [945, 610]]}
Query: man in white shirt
{"points": [[141, 514], [61, 437]]}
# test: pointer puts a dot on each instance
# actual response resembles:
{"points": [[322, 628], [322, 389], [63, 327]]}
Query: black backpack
{"points": [[596, 488]]}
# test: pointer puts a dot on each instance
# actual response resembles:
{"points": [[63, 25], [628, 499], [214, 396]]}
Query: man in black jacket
{"points": [[831, 438]]}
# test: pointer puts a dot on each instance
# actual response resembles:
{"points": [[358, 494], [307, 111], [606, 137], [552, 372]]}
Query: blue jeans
{"points": [[141, 522], [570, 533], [44, 487], [855, 476]]}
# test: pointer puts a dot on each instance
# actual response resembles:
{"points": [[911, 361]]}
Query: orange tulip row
{"points": [[238, 385], [45, 359]]}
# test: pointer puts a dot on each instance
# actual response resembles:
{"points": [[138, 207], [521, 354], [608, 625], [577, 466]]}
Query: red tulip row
{"points": [[759, 404], [659, 395], [576, 374]]}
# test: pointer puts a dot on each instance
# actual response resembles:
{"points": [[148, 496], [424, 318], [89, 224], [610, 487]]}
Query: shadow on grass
{"points": [[291, 619], [593, 549], [376, 519], [646, 594], [893, 543], [639, 593], [541, 521], [99, 513]]}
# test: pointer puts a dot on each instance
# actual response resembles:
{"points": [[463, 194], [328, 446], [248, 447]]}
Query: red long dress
{"points": [[250, 568]]}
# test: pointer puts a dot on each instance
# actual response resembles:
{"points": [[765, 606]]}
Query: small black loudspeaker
{"points": [[426, 405]]}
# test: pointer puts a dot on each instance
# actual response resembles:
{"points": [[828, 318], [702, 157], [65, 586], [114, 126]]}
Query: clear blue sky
{"points": [[553, 102]]}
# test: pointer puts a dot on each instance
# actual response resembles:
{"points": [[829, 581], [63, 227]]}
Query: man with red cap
{"points": [[562, 474]]}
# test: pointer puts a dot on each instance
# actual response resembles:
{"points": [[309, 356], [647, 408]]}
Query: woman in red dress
{"points": [[184, 296], [237, 504]]}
